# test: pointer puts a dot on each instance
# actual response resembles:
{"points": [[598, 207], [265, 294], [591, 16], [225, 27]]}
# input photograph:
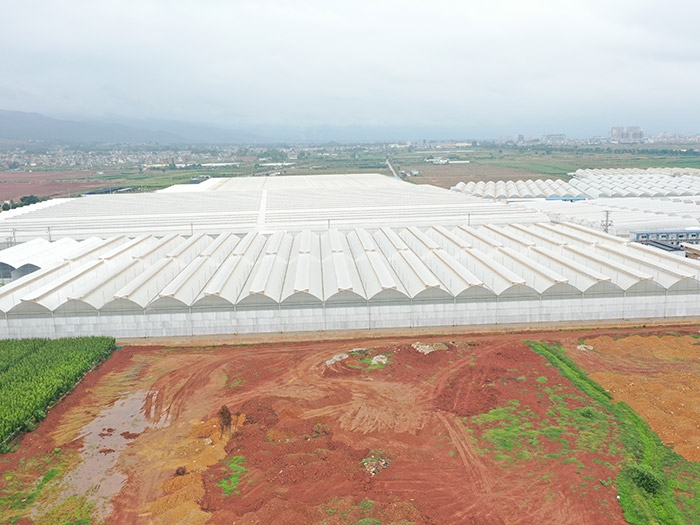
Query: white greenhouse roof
{"points": [[625, 215], [266, 204], [634, 182], [520, 189], [360, 266]]}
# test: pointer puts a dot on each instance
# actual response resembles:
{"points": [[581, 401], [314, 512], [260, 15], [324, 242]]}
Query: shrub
{"points": [[645, 478]]}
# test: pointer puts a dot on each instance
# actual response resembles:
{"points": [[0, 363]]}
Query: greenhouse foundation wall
{"points": [[194, 322]]}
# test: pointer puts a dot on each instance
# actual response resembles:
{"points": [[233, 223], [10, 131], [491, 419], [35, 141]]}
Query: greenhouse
{"points": [[326, 253], [359, 279]]}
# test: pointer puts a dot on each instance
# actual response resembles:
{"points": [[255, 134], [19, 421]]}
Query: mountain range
{"points": [[19, 126]]}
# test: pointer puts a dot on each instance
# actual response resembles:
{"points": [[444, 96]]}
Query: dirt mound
{"points": [[259, 412], [281, 455], [470, 392]]}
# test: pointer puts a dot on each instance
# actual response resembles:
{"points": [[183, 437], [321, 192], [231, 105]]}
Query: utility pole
{"points": [[607, 222]]}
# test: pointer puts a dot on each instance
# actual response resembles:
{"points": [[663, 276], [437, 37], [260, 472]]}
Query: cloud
{"points": [[516, 66]]}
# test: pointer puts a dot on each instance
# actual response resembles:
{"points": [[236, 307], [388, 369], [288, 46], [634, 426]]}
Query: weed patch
{"points": [[75, 510], [230, 485], [21, 489]]}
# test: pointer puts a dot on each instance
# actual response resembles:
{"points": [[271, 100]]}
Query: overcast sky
{"points": [[486, 68]]}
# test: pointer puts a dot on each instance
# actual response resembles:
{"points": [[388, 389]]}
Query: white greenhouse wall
{"points": [[252, 321]]}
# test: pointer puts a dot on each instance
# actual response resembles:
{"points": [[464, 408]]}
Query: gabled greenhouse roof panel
{"points": [[360, 266]]}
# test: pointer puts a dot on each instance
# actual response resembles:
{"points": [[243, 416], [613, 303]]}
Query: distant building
{"points": [[635, 133], [554, 138], [666, 239], [438, 160], [629, 134], [617, 133]]}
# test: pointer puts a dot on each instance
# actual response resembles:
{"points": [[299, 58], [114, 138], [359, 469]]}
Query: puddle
{"points": [[104, 438]]}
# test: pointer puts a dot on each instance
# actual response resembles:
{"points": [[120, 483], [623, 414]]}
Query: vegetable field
{"points": [[35, 373]]}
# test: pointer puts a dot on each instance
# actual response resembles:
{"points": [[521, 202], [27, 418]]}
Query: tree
{"points": [[224, 420], [29, 199]]}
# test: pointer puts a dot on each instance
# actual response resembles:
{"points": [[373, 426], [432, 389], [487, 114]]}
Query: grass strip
{"points": [[655, 484]]}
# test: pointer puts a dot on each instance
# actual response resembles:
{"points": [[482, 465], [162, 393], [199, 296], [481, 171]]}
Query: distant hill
{"points": [[201, 133], [18, 125], [22, 126]]}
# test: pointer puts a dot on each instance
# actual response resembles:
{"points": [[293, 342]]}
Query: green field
{"points": [[35, 373]]}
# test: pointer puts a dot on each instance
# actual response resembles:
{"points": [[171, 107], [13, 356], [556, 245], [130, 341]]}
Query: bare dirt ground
{"points": [[16, 184], [320, 441], [448, 175], [658, 376]]}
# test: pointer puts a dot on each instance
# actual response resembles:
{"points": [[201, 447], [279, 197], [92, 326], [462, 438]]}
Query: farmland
{"points": [[16, 184], [479, 427], [488, 161], [514, 163], [35, 373]]}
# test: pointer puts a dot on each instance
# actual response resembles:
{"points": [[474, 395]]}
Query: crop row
{"points": [[13, 350], [38, 372]]}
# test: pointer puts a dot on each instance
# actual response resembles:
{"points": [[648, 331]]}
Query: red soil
{"points": [[16, 184], [306, 427]]}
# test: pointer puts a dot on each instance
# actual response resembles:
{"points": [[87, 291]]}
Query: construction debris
{"points": [[336, 359], [380, 359], [374, 465], [425, 348]]}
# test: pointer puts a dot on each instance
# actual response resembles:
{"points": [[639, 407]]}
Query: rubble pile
{"points": [[425, 348]]}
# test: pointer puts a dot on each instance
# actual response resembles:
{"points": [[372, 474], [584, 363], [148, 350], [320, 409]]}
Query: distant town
{"points": [[38, 155]]}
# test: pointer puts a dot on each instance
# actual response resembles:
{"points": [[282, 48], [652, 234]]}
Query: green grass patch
{"points": [[376, 454], [515, 433], [21, 489], [230, 485]]}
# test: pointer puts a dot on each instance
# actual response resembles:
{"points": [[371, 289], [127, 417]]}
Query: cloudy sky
{"points": [[479, 69]]}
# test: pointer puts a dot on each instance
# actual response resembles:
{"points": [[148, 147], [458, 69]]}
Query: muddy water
{"points": [[104, 438]]}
